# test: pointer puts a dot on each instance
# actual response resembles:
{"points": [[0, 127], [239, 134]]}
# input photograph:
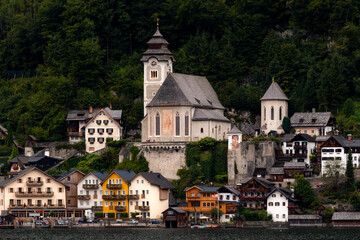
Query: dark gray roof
{"points": [[176, 209], [298, 137], [38, 156], [294, 165], [205, 115], [115, 114], [322, 138], [305, 119], [259, 171], [157, 179], [234, 130], [346, 216], [304, 217], [204, 188], [274, 92], [100, 175], [186, 90], [345, 142], [230, 189], [276, 170], [126, 175], [286, 192], [157, 48], [265, 183], [69, 173]]}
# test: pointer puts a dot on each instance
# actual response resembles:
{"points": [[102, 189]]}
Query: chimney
{"points": [[313, 110], [349, 137], [90, 109], [110, 106]]}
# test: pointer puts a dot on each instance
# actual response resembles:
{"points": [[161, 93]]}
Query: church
{"points": [[177, 107]]}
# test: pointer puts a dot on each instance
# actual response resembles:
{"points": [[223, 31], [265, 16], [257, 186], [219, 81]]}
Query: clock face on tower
{"points": [[153, 63]]}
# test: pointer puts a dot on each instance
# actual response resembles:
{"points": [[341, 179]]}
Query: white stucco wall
{"points": [[152, 195], [279, 213], [95, 194], [273, 125]]}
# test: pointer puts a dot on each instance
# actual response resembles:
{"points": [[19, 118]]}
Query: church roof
{"points": [[157, 48], [274, 92], [186, 90], [206, 114]]}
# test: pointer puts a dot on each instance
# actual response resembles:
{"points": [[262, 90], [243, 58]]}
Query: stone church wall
{"points": [[248, 156]]}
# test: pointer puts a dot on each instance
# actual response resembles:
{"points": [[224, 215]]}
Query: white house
{"points": [[153, 190], [89, 192], [299, 147], [334, 154], [279, 201], [229, 201], [274, 107]]}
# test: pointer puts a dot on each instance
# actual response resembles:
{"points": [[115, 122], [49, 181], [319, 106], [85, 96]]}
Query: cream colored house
{"points": [[153, 192], [89, 192], [32, 191], [104, 125], [274, 107]]}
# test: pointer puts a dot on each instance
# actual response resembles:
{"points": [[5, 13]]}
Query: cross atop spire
{"points": [[157, 22], [273, 79]]}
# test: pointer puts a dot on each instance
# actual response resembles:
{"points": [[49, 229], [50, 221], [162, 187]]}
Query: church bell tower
{"points": [[158, 63]]}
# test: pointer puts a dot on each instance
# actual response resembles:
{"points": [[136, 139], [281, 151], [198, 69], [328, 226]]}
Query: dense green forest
{"points": [[62, 54]]}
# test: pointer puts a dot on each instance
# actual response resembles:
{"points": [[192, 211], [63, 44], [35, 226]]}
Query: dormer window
{"points": [[98, 122], [313, 120], [153, 75], [106, 122], [100, 131], [91, 130], [301, 120]]}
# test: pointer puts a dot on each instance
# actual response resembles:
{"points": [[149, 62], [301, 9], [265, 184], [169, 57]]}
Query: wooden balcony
{"points": [[142, 208], [91, 186], [76, 134], [120, 208], [34, 183], [133, 197], [114, 186], [114, 197], [83, 197], [142, 195], [34, 194]]}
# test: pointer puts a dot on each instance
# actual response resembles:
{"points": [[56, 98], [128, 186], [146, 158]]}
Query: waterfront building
{"points": [[94, 126], [280, 202], [149, 194], [200, 199], [274, 107], [335, 152], [174, 217], [253, 192], [71, 179], [229, 201], [346, 219], [90, 193], [313, 123], [32, 192], [115, 193], [298, 147]]}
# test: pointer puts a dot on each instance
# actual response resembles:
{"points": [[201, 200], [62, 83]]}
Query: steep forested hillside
{"points": [[61, 54]]}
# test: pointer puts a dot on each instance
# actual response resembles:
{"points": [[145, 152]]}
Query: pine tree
{"points": [[350, 179], [286, 125]]}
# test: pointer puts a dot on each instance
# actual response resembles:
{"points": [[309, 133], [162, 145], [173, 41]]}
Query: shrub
{"points": [[111, 215], [99, 215], [124, 215]]}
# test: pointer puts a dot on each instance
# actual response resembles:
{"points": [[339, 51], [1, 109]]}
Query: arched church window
{"points": [[280, 113], [153, 74], [187, 124], [264, 113], [157, 124], [272, 113], [177, 124]]}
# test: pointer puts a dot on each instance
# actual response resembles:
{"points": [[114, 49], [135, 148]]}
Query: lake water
{"points": [[183, 234]]}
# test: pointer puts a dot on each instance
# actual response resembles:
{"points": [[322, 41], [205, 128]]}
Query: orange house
{"points": [[200, 199]]}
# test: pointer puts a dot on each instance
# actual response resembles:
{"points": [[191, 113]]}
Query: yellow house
{"points": [[115, 193]]}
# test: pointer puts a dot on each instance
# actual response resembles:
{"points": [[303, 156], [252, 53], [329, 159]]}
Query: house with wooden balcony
{"points": [[95, 126], [298, 147], [115, 191], [253, 192], [200, 199], [284, 175], [229, 201], [89, 190], [33, 191], [71, 180], [149, 194]]}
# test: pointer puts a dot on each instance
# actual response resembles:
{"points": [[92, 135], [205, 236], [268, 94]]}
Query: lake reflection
{"points": [[183, 234]]}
